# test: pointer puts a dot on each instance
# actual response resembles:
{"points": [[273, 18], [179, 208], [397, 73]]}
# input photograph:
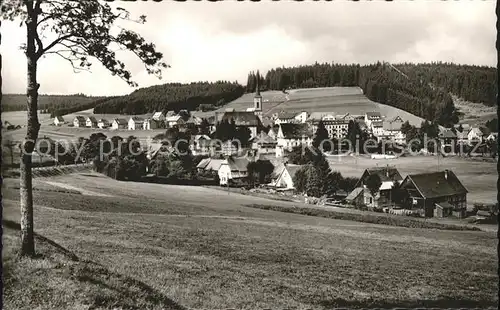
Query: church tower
{"points": [[257, 99]]}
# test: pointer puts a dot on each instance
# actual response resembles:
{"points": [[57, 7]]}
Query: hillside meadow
{"points": [[104, 244]]}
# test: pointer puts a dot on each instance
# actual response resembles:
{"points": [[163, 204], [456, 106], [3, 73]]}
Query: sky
{"points": [[209, 41]]}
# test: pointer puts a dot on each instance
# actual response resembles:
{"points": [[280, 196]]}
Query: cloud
{"points": [[225, 40]]}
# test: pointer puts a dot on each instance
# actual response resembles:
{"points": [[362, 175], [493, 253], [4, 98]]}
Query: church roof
{"points": [[242, 118]]}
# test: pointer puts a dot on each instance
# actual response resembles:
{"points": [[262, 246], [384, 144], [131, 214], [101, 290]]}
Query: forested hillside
{"points": [[472, 83], [421, 89], [53, 104], [174, 96]]}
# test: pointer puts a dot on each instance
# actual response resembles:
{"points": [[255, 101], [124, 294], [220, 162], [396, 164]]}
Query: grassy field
{"points": [[339, 100], [479, 177], [166, 247]]}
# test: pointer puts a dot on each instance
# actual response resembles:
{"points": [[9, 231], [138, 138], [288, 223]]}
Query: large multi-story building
{"points": [[337, 126]]}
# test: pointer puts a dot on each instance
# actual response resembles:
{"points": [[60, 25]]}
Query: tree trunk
{"points": [[26, 184]]}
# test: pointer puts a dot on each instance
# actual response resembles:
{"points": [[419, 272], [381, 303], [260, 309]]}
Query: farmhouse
{"points": [[119, 123], [291, 135], [135, 123], [285, 178], [377, 128], [58, 120], [462, 137], [448, 140], [286, 118], [434, 193], [233, 168], [474, 136], [363, 196], [150, 123], [158, 116], [174, 121], [372, 117], [263, 143], [79, 121], [103, 123], [91, 122], [387, 175], [273, 132], [243, 119], [209, 164], [200, 145]]}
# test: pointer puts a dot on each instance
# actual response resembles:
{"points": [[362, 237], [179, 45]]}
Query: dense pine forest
{"points": [[421, 89], [53, 104], [173, 96]]}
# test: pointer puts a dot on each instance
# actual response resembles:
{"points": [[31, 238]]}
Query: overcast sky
{"points": [[225, 40]]}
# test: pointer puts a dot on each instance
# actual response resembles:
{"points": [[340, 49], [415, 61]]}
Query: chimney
{"points": [[446, 174]]}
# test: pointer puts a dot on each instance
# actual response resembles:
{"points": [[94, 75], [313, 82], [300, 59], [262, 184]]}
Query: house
{"points": [[158, 116], [432, 192], [474, 136], [263, 143], [209, 164], [292, 135], [372, 117], [392, 130], [103, 123], [301, 118], [233, 168], [448, 140], [243, 119], [493, 136], [135, 123], [387, 175], [286, 118], [91, 122], [362, 196], [273, 132], [79, 121], [119, 123], [278, 168], [174, 121], [151, 123], [285, 178], [462, 137], [230, 148], [58, 120], [377, 128], [200, 145]]}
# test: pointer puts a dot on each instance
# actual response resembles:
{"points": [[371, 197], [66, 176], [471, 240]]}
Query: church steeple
{"points": [[257, 87], [257, 99]]}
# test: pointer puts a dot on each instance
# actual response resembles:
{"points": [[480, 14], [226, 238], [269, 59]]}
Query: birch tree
{"points": [[80, 32]]}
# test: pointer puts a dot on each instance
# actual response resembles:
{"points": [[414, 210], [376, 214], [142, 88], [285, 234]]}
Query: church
{"points": [[251, 117]]}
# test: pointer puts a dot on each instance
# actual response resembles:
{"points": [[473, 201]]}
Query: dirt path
{"points": [[81, 190]]}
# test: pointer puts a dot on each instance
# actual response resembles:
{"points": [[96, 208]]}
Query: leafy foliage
{"points": [[373, 183]]}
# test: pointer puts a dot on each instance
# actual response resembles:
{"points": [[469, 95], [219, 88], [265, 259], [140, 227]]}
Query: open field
{"points": [[475, 114], [166, 245], [339, 100], [479, 177], [20, 117]]}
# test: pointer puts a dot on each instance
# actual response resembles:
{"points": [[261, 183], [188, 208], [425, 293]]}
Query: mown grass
{"points": [[382, 219], [219, 254]]}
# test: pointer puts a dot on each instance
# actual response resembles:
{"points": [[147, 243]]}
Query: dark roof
{"points": [[295, 131], [137, 119], [292, 169], [103, 120], [435, 184], [80, 118], [354, 194], [59, 118], [385, 174], [378, 124], [444, 205], [287, 115], [373, 115], [242, 118], [120, 121], [92, 119], [263, 138]]}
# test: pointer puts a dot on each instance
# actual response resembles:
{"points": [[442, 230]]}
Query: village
{"points": [[272, 138]]}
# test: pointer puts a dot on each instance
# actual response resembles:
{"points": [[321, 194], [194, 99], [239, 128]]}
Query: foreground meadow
{"points": [[105, 243]]}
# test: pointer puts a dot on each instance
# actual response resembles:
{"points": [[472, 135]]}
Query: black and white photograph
{"points": [[249, 154]]}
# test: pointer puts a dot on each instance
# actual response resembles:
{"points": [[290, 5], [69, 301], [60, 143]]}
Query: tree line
{"points": [[173, 96], [53, 104], [421, 89]]}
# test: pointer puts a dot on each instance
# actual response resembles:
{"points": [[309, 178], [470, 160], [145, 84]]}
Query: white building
{"points": [[135, 123], [492, 136], [292, 135], [91, 122], [150, 123], [58, 120], [233, 168], [173, 121], [285, 179], [475, 135], [119, 123], [79, 121], [372, 117], [336, 126], [103, 123], [158, 116]]}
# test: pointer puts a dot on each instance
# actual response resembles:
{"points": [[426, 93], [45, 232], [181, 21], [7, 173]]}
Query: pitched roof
{"points": [[385, 173], [494, 134], [92, 119], [435, 184], [378, 124], [447, 133], [445, 205], [263, 138], [292, 169], [287, 115], [210, 164], [238, 163], [477, 131], [103, 120], [137, 119], [120, 121], [59, 118], [80, 118], [157, 115], [198, 137], [371, 115], [173, 118], [203, 163], [392, 126], [354, 194], [295, 131], [242, 118], [317, 116]]}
